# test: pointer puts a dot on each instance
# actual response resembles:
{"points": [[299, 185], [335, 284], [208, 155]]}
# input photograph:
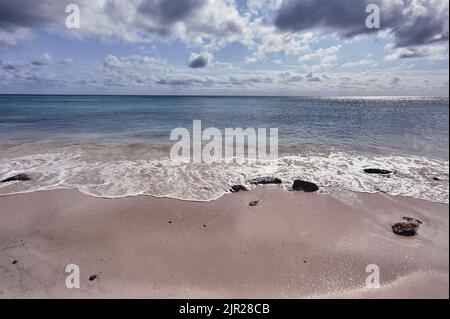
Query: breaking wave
{"points": [[418, 177]]}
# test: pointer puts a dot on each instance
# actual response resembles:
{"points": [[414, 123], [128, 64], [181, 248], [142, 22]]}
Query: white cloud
{"points": [[268, 40], [68, 61], [112, 61], [257, 5], [431, 52], [362, 62], [13, 37], [44, 59], [210, 24], [325, 57]]}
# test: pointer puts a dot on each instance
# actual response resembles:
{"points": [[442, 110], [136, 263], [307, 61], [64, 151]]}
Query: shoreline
{"points": [[322, 191], [108, 175], [290, 245]]}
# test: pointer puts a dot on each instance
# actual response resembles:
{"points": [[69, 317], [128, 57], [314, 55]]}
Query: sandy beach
{"points": [[290, 245]]}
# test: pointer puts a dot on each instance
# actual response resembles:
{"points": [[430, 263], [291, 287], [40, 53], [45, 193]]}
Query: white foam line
{"points": [[207, 182]]}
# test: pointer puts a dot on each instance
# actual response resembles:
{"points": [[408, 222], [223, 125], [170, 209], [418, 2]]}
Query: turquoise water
{"points": [[115, 146]]}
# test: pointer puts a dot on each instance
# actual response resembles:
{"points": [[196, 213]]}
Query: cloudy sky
{"points": [[253, 47]]}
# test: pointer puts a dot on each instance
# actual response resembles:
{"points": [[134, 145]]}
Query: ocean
{"points": [[118, 146]]}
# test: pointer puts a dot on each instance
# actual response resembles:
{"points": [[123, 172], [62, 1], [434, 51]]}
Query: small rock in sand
{"points": [[304, 186], [254, 203], [19, 177], [265, 181], [436, 179], [238, 188], [14, 262], [378, 171], [408, 228], [93, 277]]}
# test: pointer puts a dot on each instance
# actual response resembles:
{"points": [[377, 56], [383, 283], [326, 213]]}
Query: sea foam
{"points": [[116, 178]]}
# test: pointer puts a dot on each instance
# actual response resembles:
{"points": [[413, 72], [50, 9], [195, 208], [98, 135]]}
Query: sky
{"points": [[225, 47]]}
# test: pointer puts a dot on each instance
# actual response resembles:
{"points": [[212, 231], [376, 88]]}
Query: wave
{"points": [[115, 178]]}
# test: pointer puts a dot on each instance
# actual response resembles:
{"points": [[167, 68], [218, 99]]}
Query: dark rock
{"points": [[238, 188], [265, 181], [304, 186], [252, 204], [14, 262], [93, 277], [19, 177], [405, 229], [378, 171], [436, 179], [408, 228]]}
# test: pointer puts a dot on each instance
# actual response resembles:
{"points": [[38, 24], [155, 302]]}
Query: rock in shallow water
{"points": [[265, 181], [19, 177], [238, 188], [304, 186], [378, 171]]}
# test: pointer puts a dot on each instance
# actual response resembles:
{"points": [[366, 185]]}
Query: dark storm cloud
{"points": [[156, 16], [423, 30], [169, 12], [26, 13], [344, 16], [201, 60], [412, 23]]}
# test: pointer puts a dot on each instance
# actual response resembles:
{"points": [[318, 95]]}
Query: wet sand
{"points": [[290, 245]]}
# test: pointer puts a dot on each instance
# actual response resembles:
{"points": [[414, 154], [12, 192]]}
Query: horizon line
{"points": [[223, 95]]}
